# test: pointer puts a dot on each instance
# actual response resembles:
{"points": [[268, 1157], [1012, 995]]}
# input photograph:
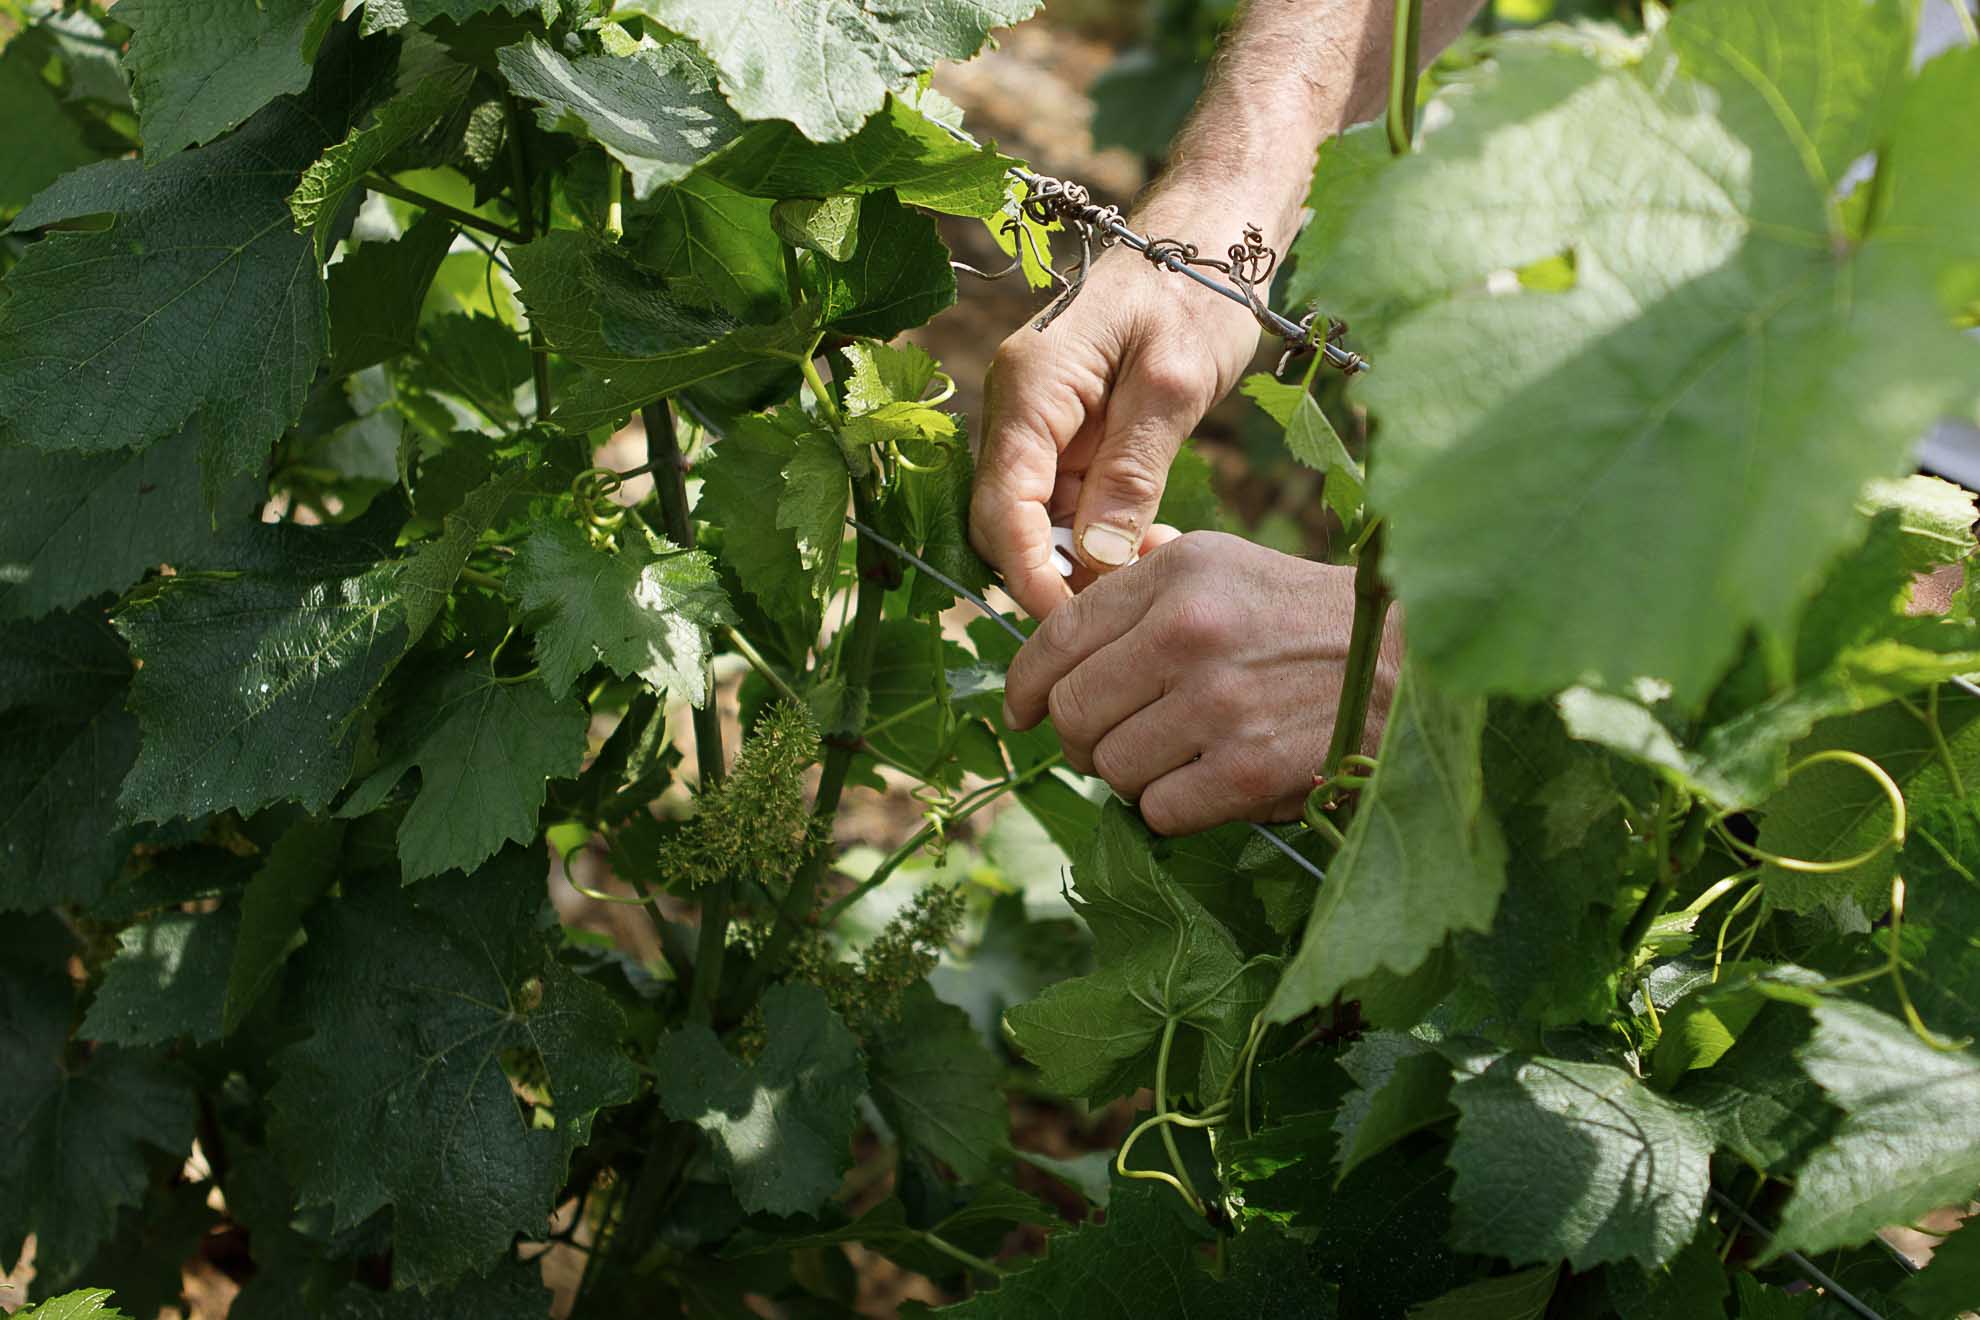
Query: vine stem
{"points": [[539, 352], [743, 647], [1371, 610], [968, 807], [956, 1253], [1402, 75], [378, 183], [663, 456]]}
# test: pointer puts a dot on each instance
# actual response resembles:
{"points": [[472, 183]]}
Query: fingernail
{"points": [[1105, 545]]}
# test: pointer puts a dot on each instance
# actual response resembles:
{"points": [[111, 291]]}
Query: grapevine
{"points": [[505, 793]]}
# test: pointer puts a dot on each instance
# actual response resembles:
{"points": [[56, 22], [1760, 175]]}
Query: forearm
{"points": [[1288, 75]]}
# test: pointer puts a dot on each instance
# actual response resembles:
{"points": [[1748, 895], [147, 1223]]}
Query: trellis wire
{"points": [[903, 553], [1249, 263]]}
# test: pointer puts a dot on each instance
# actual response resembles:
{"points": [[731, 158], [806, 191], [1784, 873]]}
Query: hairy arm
{"points": [[1085, 418], [1288, 75]]}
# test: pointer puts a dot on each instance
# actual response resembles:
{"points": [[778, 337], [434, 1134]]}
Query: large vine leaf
{"points": [[199, 298], [419, 1001], [716, 243], [781, 1127], [1162, 960], [1727, 346], [74, 525], [642, 609], [1583, 1161], [200, 67], [1423, 856], [251, 681], [826, 65], [656, 111], [75, 1136], [1907, 1141]]}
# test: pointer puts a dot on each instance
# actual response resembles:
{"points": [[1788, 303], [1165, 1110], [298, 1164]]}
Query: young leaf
{"points": [[199, 67], [1423, 856], [86, 1304], [763, 553], [1163, 963], [781, 1128], [1557, 1159], [824, 68], [643, 609], [1312, 440], [707, 238], [812, 507], [414, 996], [1907, 1142], [656, 111], [1666, 387]]}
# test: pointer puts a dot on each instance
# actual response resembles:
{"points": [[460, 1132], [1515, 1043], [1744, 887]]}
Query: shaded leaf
{"points": [[939, 1087], [199, 67]]}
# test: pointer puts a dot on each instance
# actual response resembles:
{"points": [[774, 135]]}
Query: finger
{"points": [[1152, 742], [1106, 688], [1150, 412], [1214, 791], [1073, 631], [1031, 411]]}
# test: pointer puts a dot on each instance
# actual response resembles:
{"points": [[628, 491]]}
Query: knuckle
{"points": [[1253, 778], [1196, 621], [1137, 478], [1172, 382], [1112, 763], [1164, 811], [1069, 707]]}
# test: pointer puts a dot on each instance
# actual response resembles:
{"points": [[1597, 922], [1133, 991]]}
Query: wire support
{"points": [[1246, 265]]}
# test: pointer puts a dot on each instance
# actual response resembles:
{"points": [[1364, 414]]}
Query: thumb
{"points": [[1148, 417]]}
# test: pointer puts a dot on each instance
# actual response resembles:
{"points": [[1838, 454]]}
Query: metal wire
{"points": [[1248, 264], [903, 553], [1808, 1268]]}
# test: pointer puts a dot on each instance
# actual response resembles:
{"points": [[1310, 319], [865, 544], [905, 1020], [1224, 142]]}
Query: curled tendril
{"points": [[947, 446], [593, 488], [1210, 1117], [1894, 839], [938, 807]]}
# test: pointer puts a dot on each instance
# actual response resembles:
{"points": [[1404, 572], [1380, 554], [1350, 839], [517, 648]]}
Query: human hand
{"points": [[1085, 418], [1201, 682]]}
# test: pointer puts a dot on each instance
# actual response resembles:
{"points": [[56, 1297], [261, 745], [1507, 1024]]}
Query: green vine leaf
{"points": [[169, 979], [821, 64], [299, 870], [1162, 959], [642, 609], [938, 1086], [781, 1127], [75, 525], [428, 85], [198, 299], [1949, 1283], [1905, 1144], [420, 1001], [1558, 1159], [77, 1137], [756, 546], [1733, 350], [899, 148], [1522, 1295], [656, 111], [485, 747], [385, 15], [1311, 439], [87, 1304], [44, 141], [199, 68], [1423, 857]]}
